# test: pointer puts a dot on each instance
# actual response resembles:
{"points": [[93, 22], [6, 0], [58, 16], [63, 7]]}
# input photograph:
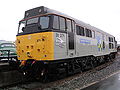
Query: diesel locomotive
{"points": [[51, 43]]}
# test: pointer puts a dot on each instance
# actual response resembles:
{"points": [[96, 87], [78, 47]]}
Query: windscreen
{"points": [[44, 22], [32, 21], [22, 26], [34, 24]]}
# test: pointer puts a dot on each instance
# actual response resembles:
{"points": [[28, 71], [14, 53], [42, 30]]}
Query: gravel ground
{"points": [[76, 82]]}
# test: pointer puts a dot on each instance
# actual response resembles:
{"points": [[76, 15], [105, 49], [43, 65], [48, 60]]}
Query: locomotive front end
{"points": [[35, 43], [35, 39]]}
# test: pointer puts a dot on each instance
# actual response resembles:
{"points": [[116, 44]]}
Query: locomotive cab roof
{"points": [[43, 10], [35, 12]]}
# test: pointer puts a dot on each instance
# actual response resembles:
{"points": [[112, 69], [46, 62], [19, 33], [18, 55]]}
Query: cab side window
{"points": [[62, 23], [59, 23], [56, 22]]}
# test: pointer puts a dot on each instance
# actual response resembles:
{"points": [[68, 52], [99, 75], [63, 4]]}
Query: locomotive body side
{"points": [[97, 45]]}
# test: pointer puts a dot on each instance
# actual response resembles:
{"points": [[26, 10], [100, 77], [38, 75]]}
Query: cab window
{"points": [[32, 21], [34, 24], [59, 23], [44, 22], [22, 25], [62, 23], [56, 22]]}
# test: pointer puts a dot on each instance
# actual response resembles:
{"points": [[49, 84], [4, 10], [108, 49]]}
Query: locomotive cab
{"points": [[33, 39], [45, 35]]}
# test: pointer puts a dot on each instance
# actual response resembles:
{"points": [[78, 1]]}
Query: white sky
{"points": [[103, 14]]}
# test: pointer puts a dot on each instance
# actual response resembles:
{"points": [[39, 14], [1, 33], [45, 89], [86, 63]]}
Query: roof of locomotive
{"points": [[44, 10]]}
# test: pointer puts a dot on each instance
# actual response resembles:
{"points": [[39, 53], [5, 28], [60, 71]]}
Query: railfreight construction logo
{"points": [[60, 40]]}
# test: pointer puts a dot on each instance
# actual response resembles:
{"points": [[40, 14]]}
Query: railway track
{"points": [[24, 84]]}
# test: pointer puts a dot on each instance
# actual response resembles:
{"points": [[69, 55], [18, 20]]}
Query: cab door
{"points": [[70, 37]]}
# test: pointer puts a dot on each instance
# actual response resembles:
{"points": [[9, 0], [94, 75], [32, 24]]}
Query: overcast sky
{"points": [[103, 14]]}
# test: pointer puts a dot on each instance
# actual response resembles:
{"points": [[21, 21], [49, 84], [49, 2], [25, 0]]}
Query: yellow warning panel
{"points": [[37, 46]]}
